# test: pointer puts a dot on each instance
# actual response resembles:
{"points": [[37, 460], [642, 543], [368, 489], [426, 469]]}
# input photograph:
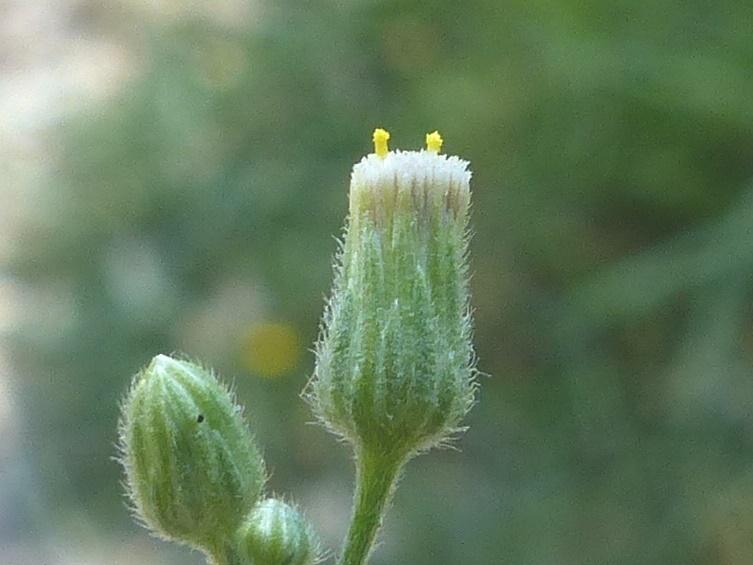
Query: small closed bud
{"points": [[394, 363], [275, 533], [193, 471]]}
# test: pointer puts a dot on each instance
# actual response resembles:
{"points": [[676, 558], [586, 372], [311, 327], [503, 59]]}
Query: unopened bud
{"points": [[275, 533], [193, 471]]}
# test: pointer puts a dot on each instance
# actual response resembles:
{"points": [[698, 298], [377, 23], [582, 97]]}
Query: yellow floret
{"points": [[380, 142], [434, 141]]}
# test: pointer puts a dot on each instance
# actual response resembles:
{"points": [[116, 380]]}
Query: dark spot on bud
{"points": [[200, 419]]}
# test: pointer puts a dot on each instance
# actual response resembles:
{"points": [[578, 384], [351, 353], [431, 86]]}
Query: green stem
{"points": [[376, 477]]}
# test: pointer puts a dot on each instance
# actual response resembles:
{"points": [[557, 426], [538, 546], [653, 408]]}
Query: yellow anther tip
{"points": [[434, 141], [380, 141]]}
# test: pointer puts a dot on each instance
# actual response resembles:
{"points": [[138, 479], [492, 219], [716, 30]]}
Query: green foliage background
{"points": [[612, 150]]}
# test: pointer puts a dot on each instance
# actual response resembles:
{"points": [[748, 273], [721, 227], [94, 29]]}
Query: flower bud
{"points": [[394, 362], [192, 469], [275, 533]]}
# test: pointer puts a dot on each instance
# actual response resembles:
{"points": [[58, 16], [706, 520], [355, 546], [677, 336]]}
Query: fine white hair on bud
{"points": [[193, 471], [394, 362]]}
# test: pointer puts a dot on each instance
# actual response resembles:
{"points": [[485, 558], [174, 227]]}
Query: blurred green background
{"points": [[195, 208]]}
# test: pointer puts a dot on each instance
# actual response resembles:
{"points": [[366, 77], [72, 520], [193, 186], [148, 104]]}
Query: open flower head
{"points": [[395, 360]]}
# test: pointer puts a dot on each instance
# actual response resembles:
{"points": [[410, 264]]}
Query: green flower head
{"points": [[193, 471], [275, 533], [394, 363]]}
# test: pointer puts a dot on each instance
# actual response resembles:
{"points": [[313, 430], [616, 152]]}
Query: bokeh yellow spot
{"points": [[271, 349], [380, 141], [434, 141]]}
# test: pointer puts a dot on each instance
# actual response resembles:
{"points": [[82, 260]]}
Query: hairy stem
{"points": [[376, 477]]}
